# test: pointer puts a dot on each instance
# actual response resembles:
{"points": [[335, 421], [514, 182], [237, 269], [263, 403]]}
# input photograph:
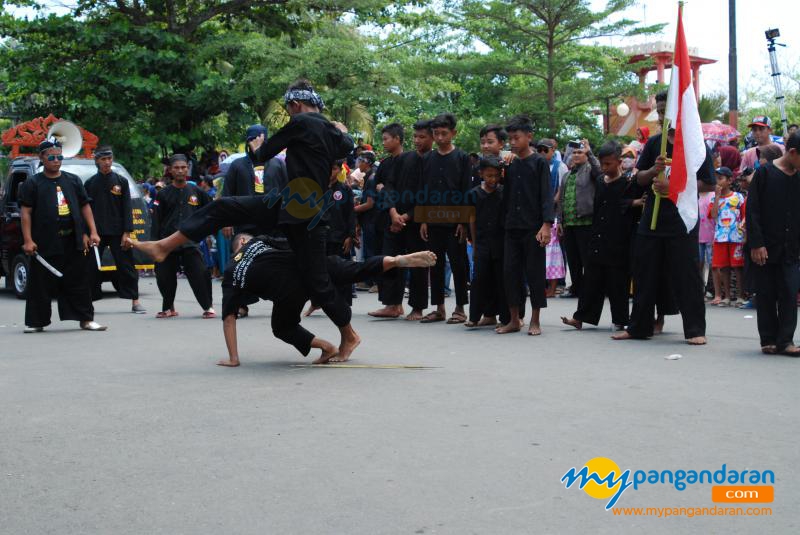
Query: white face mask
{"points": [[627, 163]]}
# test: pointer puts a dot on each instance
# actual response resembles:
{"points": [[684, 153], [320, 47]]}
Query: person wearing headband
{"points": [[57, 227], [173, 205], [113, 213], [312, 144]]}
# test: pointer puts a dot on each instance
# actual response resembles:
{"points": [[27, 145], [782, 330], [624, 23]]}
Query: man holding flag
{"points": [[674, 170]]}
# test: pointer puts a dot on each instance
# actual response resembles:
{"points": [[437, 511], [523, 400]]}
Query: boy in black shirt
{"points": [[402, 236], [773, 233], [487, 292], [110, 196], [447, 177], [607, 269], [57, 226], [174, 204], [367, 211], [528, 219], [312, 144]]}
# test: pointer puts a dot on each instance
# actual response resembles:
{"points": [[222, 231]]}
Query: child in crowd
{"points": [[726, 211]]}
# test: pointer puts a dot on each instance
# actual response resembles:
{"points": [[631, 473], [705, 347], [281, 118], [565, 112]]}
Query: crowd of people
{"points": [[508, 227]]}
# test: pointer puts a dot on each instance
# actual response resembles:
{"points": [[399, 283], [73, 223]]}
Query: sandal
{"points": [[166, 314], [790, 351], [769, 350], [209, 314], [432, 317], [457, 317], [471, 324]]}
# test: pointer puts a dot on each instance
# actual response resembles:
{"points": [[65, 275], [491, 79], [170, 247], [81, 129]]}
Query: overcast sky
{"points": [[706, 26]]}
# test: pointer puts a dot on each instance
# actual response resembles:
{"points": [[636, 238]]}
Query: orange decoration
{"points": [[33, 132]]}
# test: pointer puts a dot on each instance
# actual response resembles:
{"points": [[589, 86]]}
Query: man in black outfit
{"points": [[529, 216], [245, 177], [447, 179], [671, 244], [173, 205], [111, 205], [773, 234], [57, 226], [312, 144], [402, 236]]}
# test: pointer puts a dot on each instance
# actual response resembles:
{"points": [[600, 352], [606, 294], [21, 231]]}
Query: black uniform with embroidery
{"points": [[342, 226], [528, 204], [447, 179], [242, 180], [173, 206], [271, 273], [487, 290], [669, 252], [57, 228], [312, 144], [607, 271], [400, 193], [113, 216], [773, 221]]}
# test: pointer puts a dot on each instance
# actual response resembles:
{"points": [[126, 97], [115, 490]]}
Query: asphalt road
{"points": [[135, 430]]}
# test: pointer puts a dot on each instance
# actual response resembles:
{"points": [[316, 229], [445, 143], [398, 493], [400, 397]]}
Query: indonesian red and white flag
{"points": [[689, 149]]}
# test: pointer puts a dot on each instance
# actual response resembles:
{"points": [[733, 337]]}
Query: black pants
{"points": [[670, 261], [286, 312], [576, 246], [599, 282], [406, 241], [443, 240], [127, 276], [524, 257], [776, 302], [231, 212], [71, 290], [310, 246], [195, 270], [487, 291]]}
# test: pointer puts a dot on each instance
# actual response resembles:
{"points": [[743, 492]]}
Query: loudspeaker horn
{"points": [[68, 135]]}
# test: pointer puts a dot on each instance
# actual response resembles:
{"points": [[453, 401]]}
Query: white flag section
{"points": [[689, 149]]}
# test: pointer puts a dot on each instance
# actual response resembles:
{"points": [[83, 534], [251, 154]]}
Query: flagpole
{"points": [[664, 134]]}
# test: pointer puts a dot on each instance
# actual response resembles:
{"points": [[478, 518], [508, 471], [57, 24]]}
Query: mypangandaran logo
{"points": [[602, 479]]}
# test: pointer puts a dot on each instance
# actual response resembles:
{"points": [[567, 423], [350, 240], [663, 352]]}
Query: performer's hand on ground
{"points": [[256, 143], [29, 247], [759, 256]]}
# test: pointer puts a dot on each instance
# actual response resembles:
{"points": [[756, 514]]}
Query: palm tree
{"points": [[712, 107]]}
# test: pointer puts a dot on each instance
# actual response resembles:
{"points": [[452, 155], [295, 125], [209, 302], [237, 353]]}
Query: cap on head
{"points": [[761, 120], [102, 152], [545, 143], [255, 131], [367, 156], [724, 171], [628, 151]]}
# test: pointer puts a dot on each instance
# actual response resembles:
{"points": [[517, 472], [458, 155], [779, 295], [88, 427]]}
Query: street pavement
{"points": [[135, 430]]}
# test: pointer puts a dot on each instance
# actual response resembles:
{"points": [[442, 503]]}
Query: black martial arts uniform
{"points": [[312, 144], [669, 252], [447, 179], [342, 226], [400, 193], [174, 205], [606, 273], [487, 292], [244, 178], [528, 204], [57, 228], [263, 269], [113, 216], [773, 221]]}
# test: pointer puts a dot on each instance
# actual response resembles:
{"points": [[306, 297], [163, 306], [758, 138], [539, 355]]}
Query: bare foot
{"points": [[510, 327], [696, 341], [487, 321], [310, 310], [418, 259], [535, 329], [414, 315], [624, 335], [228, 363], [391, 311], [327, 354], [151, 248], [349, 344], [572, 322]]}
